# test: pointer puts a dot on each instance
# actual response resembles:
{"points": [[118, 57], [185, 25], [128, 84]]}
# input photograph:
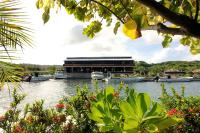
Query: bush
{"points": [[104, 110], [185, 107]]}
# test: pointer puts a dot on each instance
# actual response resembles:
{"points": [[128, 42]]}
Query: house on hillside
{"points": [[196, 73]]}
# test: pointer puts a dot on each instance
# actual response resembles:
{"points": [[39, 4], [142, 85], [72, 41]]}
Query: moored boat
{"points": [[39, 78], [97, 75], [59, 75], [181, 79]]}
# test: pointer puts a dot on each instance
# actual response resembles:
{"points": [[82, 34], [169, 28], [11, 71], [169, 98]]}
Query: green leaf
{"points": [[109, 90], [166, 42], [117, 25], [143, 101], [156, 109], [45, 17], [152, 128], [167, 122], [127, 110], [39, 4], [130, 124], [96, 115], [92, 29]]}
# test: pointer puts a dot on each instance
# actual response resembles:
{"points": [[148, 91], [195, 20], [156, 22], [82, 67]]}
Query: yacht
{"points": [[59, 75], [181, 79], [97, 75], [39, 78]]}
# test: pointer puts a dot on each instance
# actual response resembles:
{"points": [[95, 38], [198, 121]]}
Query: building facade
{"points": [[82, 67]]}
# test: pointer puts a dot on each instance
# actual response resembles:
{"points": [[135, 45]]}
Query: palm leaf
{"points": [[14, 33]]}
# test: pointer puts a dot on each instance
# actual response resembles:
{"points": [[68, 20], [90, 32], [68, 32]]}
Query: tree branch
{"points": [[108, 10], [161, 28], [197, 10], [190, 26], [126, 9]]}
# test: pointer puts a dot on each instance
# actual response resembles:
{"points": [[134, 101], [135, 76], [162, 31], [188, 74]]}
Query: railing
{"points": [[98, 65]]}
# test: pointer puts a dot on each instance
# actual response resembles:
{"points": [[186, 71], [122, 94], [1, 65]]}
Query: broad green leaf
{"points": [[156, 109], [143, 101], [106, 128], [167, 122], [152, 128], [127, 110], [109, 90], [96, 115], [130, 124]]}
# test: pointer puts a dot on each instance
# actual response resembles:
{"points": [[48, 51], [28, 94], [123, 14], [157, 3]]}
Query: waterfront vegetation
{"points": [[109, 109], [142, 68]]}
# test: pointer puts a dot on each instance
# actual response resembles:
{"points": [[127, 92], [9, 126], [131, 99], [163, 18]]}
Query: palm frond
{"points": [[14, 33]]}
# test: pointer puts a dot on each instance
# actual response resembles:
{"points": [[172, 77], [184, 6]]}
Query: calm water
{"points": [[53, 90]]}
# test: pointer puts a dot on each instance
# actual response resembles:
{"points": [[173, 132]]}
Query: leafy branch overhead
{"points": [[167, 17]]}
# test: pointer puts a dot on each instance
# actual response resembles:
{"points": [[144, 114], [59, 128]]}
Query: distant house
{"points": [[196, 73], [82, 67], [173, 73]]}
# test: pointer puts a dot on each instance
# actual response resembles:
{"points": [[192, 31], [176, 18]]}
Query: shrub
{"points": [[181, 106], [104, 110]]}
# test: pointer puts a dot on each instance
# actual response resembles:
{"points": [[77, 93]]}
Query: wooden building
{"points": [[174, 73], [82, 67]]}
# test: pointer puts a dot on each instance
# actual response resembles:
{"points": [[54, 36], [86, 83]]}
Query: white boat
{"points": [[137, 79], [39, 78], [59, 75], [181, 79], [97, 75], [134, 79]]}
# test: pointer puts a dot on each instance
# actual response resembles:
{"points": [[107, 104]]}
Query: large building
{"points": [[82, 67]]}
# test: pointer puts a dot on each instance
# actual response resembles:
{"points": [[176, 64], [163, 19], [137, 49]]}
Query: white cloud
{"points": [[151, 37], [159, 56]]}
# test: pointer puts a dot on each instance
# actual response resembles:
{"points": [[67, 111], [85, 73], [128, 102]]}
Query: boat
{"points": [[181, 79], [39, 78], [134, 79], [97, 75], [137, 79], [30, 78], [59, 75]]}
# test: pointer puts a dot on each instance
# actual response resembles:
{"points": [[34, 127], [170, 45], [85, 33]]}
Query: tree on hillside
{"points": [[167, 17], [13, 34]]}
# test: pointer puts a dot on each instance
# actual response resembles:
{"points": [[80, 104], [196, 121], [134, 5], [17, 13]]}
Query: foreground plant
{"points": [[180, 106], [132, 112], [104, 110]]}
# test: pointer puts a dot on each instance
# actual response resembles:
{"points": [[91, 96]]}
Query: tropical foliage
{"points": [[168, 17], [104, 110], [181, 106], [144, 69], [13, 35]]}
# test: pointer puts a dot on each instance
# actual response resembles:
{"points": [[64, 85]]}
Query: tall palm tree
{"points": [[13, 34]]}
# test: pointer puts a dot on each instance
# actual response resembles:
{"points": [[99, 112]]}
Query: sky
{"points": [[62, 37]]}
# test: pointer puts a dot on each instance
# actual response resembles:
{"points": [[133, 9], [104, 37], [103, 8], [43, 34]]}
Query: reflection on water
{"points": [[53, 90]]}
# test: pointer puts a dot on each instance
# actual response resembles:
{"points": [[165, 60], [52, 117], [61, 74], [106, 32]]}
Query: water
{"points": [[53, 90]]}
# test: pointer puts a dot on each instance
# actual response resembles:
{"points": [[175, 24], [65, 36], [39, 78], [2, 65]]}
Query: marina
{"points": [[53, 90]]}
